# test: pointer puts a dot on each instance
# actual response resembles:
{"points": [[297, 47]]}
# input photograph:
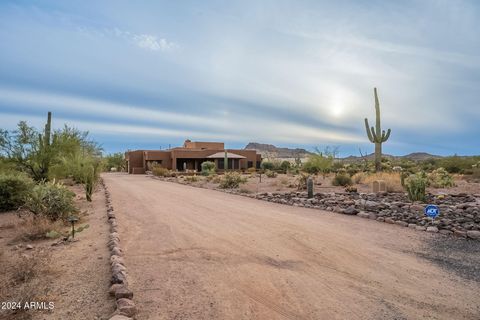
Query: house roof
{"points": [[221, 155]]}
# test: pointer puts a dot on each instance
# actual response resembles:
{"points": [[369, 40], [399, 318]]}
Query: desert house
{"points": [[190, 156]]}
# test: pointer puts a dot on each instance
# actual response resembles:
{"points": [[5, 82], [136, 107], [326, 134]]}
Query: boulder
{"points": [[123, 292], [126, 307], [401, 223], [350, 210], [432, 229], [473, 234], [114, 287]]}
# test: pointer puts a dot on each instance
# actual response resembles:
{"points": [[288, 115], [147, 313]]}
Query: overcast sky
{"points": [[146, 74]]}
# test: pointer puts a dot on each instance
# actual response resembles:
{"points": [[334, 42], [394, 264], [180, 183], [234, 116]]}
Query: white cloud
{"points": [[151, 42], [145, 41]]}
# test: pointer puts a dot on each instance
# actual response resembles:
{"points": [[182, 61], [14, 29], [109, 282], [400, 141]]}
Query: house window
{"points": [[221, 164], [249, 164]]}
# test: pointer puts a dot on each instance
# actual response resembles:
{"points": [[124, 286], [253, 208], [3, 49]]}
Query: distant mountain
{"points": [[269, 150], [416, 156]]}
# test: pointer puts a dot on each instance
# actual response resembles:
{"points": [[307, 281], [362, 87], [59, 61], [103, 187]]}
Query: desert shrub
{"points": [[267, 165], [285, 166], [160, 172], [191, 179], [270, 173], [284, 181], [440, 178], [392, 180], [294, 170], [318, 163], [14, 190], [208, 167], [231, 180], [216, 178], [301, 181], [351, 189], [251, 170], [28, 267], [52, 200], [38, 227], [359, 177], [342, 179], [244, 191], [416, 185]]}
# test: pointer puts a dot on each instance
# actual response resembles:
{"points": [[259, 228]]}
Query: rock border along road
{"points": [[200, 254]]}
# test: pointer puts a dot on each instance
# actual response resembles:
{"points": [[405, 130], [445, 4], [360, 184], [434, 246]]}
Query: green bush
{"points": [[208, 167], [318, 163], [285, 166], [270, 173], [267, 165], [52, 200], [231, 180], [342, 179], [416, 185], [440, 178], [14, 190]]}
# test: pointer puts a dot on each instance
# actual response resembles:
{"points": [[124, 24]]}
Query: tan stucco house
{"points": [[190, 157]]}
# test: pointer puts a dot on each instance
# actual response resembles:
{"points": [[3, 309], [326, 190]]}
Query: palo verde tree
{"points": [[29, 150], [376, 135]]}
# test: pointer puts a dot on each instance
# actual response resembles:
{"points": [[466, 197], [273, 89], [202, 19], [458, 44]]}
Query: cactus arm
{"points": [[377, 112], [386, 136], [374, 134], [369, 133]]}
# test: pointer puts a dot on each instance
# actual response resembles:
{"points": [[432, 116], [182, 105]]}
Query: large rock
{"points": [[350, 210], [123, 292], [126, 307], [473, 234]]}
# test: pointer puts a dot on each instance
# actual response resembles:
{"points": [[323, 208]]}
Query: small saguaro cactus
{"points": [[309, 188], [376, 135], [225, 161]]}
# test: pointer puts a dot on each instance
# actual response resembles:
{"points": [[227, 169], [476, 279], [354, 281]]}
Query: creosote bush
{"points": [[160, 172], [267, 165], [342, 179], [14, 190], [231, 180], [52, 200]]}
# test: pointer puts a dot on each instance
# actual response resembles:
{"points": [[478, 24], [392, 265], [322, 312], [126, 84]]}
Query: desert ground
{"points": [[73, 275], [195, 253]]}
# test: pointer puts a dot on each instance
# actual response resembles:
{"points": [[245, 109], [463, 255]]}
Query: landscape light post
{"points": [[72, 220]]}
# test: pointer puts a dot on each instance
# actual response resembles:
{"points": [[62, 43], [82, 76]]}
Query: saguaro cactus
{"points": [[225, 165], [44, 153], [376, 135]]}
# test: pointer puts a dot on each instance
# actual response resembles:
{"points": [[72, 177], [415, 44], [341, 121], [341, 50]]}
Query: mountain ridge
{"points": [[270, 150]]}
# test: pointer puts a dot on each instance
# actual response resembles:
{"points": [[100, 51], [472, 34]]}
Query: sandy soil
{"points": [[200, 254], [77, 276]]}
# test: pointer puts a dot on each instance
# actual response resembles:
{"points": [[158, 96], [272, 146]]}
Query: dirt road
{"points": [[200, 254]]}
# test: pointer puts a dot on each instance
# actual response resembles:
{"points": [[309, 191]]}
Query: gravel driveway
{"points": [[200, 254]]}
